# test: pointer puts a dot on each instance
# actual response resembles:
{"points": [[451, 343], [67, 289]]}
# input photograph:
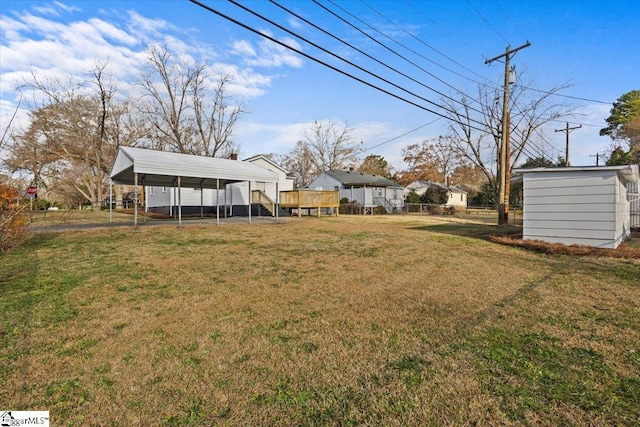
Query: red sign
{"points": [[31, 190]]}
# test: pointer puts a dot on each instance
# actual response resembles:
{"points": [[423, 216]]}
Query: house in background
{"points": [[588, 205], [368, 190], [456, 196], [233, 199]]}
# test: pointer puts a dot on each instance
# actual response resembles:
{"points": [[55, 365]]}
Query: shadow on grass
{"points": [[477, 231]]}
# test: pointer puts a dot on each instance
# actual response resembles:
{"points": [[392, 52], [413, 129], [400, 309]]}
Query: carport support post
{"points": [[135, 199], [144, 220], [277, 202], [179, 203], [218, 201], [201, 201], [110, 200], [249, 202]]}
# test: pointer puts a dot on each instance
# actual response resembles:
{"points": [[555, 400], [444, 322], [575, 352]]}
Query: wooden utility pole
{"points": [[504, 168], [567, 130], [597, 156]]}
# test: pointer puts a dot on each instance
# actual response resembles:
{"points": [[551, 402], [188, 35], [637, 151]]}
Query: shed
{"points": [[587, 205]]}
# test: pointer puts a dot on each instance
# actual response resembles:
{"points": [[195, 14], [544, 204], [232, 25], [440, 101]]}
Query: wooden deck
{"points": [[310, 199]]}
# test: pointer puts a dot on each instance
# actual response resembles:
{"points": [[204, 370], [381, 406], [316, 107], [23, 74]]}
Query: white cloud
{"points": [[268, 54], [66, 7], [244, 48]]}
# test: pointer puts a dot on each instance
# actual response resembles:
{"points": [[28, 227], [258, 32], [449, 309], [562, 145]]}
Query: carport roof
{"points": [[161, 168]]}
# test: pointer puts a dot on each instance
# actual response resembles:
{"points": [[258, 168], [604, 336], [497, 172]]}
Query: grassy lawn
{"points": [[331, 321]]}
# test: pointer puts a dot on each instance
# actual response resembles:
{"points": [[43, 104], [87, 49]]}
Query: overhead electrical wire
{"points": [[369, 56], [327, 51], [400, 136], [486, 21], [525, 149], [388, 48], [427, 45], [306, 55]]}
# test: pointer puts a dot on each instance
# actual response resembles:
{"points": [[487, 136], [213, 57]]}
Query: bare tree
{"points": [[73, 136], [186, 115], [298, 162], [331, 145], [7, 132], [529, 112], [325, 146]]}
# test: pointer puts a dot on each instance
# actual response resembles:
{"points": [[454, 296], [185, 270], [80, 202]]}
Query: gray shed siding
{"points": [[632, 191], [580, 207]]}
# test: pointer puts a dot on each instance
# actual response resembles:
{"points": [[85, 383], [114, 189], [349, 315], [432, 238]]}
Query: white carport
{"points": [[139, 166]]}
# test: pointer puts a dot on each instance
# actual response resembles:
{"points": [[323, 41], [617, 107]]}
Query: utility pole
{"points": [[597, 156], [567, 130], [504, 167]]}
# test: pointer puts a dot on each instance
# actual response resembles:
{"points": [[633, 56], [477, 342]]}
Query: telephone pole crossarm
{"points": [[567, 130], [508, 53]]}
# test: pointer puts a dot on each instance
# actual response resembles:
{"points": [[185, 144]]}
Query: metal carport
{"points": [[140, 166]]}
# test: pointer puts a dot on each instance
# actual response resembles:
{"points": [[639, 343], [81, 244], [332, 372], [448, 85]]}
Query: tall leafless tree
{"points": [[324, 146], [73, 135], [529, 112], [186, 113]]}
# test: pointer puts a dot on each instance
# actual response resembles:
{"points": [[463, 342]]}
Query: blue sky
{"points": [[593, 45]]}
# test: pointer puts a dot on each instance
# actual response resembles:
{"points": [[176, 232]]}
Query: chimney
{"points": [[234, 156]]}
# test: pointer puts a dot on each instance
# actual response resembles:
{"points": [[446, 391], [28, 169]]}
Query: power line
{"points": [[487, 22], [400, 136], [253, 30], [391, 50], [275, 24], [427, 45], [367, 55]]}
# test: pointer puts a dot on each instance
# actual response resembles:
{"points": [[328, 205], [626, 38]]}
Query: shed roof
{"points": [[161, 168], [348, 178], [628, 173]]}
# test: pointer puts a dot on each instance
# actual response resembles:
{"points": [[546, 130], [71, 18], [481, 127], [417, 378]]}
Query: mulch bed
{"points": [[628, 250]]}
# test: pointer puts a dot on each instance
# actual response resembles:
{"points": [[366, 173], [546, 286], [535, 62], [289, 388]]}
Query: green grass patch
{"points": [[332, 321]]}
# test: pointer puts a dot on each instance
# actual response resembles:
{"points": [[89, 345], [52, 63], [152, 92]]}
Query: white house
{"points": [[456, 196], [233, 197], [367, 189], [578, 205]]}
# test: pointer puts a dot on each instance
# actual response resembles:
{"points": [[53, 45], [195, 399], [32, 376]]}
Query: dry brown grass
{"points": [[332, 321]]}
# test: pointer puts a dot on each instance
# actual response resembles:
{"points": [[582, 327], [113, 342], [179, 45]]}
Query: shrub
{"points": [[13, 221]]}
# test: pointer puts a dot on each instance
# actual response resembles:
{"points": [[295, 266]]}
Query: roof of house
{"points": [[349, 178], [431, 184], [268, 160], [161, 168], [628, 173]]}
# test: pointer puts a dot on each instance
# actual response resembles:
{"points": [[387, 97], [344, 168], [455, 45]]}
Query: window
{"points": [[151, 191]]}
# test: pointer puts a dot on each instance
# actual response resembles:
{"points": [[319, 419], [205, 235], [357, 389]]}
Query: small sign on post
{"points": [[32, 190]]}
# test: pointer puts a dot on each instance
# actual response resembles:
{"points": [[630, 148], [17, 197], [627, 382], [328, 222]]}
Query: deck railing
{"points": [[310, 199], [259, 196]]}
